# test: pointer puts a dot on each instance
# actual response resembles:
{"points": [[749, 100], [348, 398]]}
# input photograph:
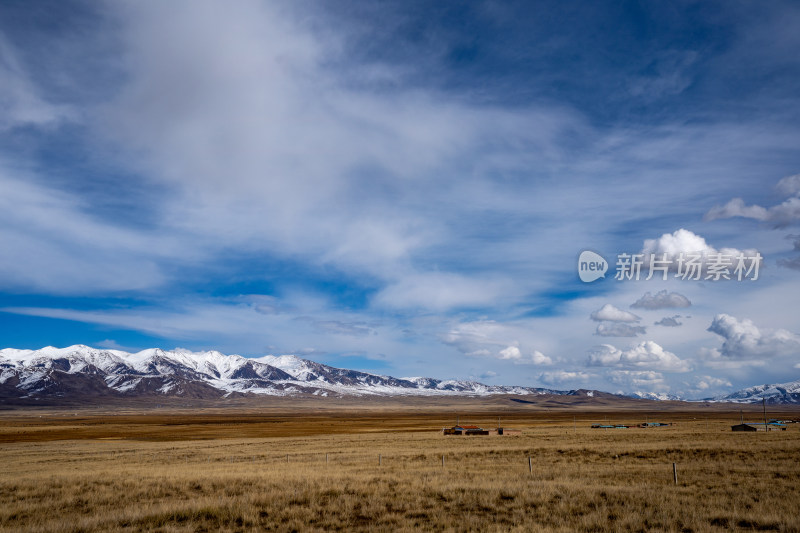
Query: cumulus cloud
{"points": [[619, 329], [684, 242], [790, 185], [708, 382], [514, 354], [647, 355], [560, 377], [669, 321], [647, 379], [611, 313], [781, 215], [661, 300], [745, 341], [538, 358]]}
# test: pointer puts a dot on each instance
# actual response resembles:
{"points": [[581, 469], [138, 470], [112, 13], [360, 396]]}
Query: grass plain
{"points": [[380, 468]]}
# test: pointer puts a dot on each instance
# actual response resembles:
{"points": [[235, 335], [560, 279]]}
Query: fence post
{"points": [[530, 465], [442, 461], [379, 459], [675, 473]]}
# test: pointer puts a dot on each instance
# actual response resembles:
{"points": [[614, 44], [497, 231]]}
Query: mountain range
{"points": [[82, 371]]}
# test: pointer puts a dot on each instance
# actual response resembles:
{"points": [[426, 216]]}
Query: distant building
{"points": [[759, 426], [475, 430]]}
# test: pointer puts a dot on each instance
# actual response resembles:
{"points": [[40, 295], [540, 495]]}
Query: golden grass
{"points": [[582, 480]]}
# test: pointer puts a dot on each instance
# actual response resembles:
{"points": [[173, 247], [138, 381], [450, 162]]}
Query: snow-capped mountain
{"points": [[782, 393], [660, 396], [80, 371]]}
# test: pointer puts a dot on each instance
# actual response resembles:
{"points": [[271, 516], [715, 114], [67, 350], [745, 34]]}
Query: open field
{"points": [[380, 469]]}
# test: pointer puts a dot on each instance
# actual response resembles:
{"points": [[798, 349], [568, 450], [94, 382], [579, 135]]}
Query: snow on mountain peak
{"points": [[26, 373], [157, 371]]}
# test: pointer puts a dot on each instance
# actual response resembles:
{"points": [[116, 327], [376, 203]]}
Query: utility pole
{"points": [[764, 402]]}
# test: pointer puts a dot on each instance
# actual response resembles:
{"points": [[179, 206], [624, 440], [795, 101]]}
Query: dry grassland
{"points": [[136, 473]]}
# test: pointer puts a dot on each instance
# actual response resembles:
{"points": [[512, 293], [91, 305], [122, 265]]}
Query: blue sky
{"points": [[405, 187]]}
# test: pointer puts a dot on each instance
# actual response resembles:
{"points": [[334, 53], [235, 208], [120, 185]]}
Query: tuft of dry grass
{"points": [[582, 480]]}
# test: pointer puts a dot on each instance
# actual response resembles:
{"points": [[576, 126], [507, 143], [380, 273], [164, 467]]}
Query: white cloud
{"points": [[683, 241], [613, 314], [617, 329], [486, 338], [708, 382], [661, 300], [647, 379], [512, 352], [669, 321], [790, 185], [273, 150], [561, 377], [745, 341], [538, 358], [604, 355], [781, 215], [647, 354]]}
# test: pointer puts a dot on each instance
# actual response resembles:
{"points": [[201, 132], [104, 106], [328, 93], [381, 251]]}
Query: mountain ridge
{"points": [[58, 372], [84, 371]]}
